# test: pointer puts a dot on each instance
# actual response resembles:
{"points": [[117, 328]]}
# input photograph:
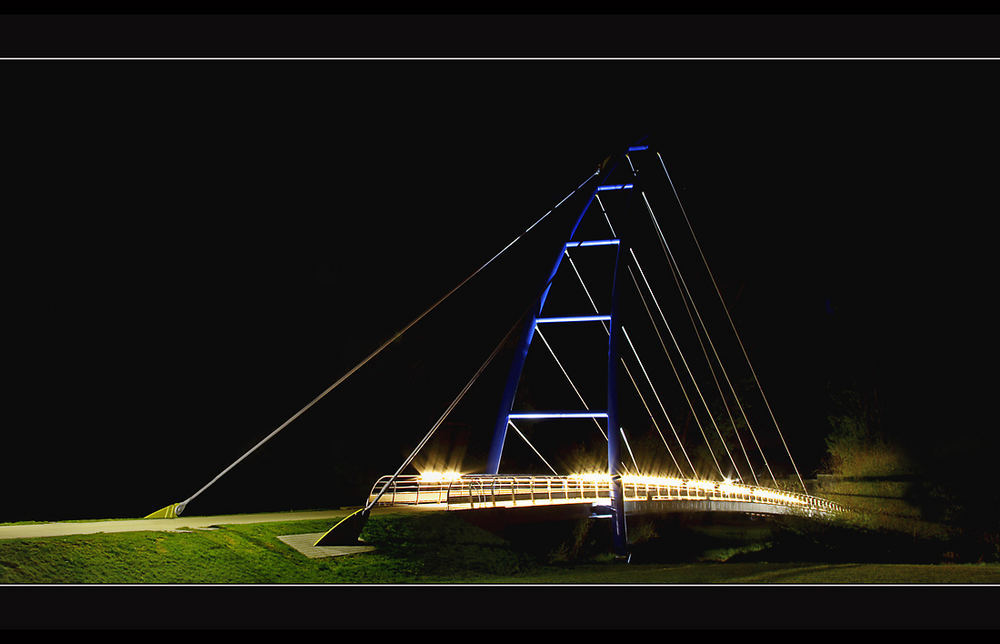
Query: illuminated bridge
{"points": [[641, 494], [673, 434]]}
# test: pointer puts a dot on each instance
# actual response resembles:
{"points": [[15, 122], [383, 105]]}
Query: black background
{"points": [[197, 248]]}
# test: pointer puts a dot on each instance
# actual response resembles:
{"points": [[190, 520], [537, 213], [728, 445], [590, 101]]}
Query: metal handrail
{"points": [[470, 491]]}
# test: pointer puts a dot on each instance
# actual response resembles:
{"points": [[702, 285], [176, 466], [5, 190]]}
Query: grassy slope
{"points": [[428, 548]]}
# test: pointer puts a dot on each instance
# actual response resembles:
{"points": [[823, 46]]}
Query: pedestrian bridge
{"points": [[621, 226], [642, 494]]}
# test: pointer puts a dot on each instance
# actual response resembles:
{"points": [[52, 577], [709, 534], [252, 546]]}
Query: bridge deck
{"points": [[642, 495]]}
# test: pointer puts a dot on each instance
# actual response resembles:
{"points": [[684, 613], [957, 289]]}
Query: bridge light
{"points": [[642, 479], [591, 477], [437, 477]]}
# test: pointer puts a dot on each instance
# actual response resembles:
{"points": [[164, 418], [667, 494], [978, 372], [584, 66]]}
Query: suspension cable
{"points": [[582, 401], [608, 331], [447, 411], [585, 289], [675, 271], [578, 394], [629, 447], [601, 204], [680, 353], [732, 324], [570, 380], [396, 336], [657, 396], [552, 469], [670, 360], [629, 159], [651, 417]]}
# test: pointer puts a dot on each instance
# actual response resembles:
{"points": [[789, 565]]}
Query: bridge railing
{"points": [[472, 491]]}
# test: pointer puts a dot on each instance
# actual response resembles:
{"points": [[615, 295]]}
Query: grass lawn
{"points": [[428, 548], [764, 573]]}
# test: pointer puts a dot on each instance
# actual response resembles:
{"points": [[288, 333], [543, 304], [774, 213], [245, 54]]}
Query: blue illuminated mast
{"points": [[506, 412]]}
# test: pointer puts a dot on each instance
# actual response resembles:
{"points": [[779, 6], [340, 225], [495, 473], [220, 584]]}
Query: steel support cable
{"points": [[679, 381], [586, 290], [447, 411], [678, 280], [670, 360], [181, 506], [601, 204], [680, 353], [733, 325], [629, 159], [608, 331], [657, 396], [629, 448], [675, 271], [570, 380], [658, 431], [552, 469], [682, 287]]}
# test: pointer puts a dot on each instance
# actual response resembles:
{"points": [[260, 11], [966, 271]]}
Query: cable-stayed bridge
{"points": [[652, 460]]}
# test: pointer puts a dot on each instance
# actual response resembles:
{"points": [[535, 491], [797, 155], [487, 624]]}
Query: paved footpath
{"points": [[33, 530]]}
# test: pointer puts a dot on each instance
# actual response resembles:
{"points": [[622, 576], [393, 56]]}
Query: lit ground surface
{"points": [[65, 528]]}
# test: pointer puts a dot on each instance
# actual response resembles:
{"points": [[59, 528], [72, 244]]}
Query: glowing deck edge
{"points": [[620, 186]]}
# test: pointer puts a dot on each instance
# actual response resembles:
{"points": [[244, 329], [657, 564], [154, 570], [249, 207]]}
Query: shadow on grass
{"points": [[840, 542], [683, 538], [443, 542]]}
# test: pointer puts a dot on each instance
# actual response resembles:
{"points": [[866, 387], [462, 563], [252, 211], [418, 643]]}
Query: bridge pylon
{"points": [[616, 468], [619, 491]]}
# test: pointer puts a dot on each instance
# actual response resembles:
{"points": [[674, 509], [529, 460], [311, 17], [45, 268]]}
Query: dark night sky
{"points": [[195, 250]]}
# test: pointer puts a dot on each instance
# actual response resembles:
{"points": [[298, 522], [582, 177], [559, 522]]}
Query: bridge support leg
{"points": [[615, 468], [500, 431], [503, 417]]}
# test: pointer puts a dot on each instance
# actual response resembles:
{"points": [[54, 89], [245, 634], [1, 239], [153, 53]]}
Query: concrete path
{"points": [[304, 544], [34, 530]]}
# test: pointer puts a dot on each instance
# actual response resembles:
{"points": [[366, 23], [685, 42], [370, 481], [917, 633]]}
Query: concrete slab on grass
{"points": [[304, 544]]}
